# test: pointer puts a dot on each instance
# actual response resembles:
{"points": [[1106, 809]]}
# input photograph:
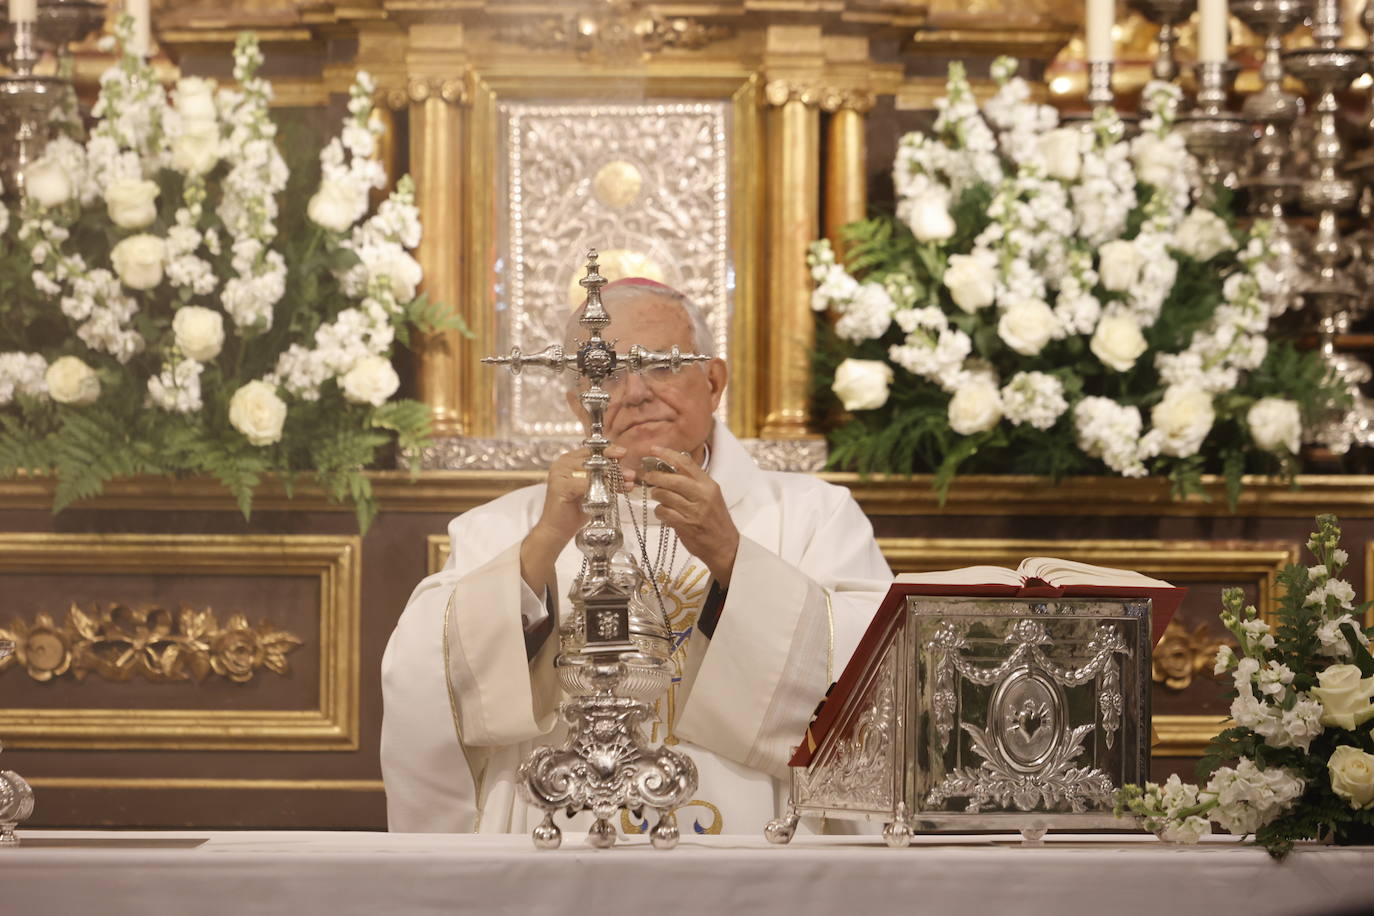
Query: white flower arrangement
{"points": [[175, 313], [1051, 301], [1303, 738]]}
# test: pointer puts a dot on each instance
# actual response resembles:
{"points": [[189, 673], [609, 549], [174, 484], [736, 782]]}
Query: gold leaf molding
{"points": [[1180, 655], [120, 643]]}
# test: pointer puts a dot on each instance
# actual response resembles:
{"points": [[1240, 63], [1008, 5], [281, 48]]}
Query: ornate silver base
{"points": [[606, 767], [16, 804]]}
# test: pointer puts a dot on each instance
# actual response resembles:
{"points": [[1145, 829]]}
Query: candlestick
{"points": [[1213, 39]]}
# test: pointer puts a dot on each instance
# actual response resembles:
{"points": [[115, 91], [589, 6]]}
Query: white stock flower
{"points": [[1352, 776], [1119, 264], [1027, 325], [1345, 696], [1118, 342], [1111, 431], [256, 411], [131, 203], [22, 374], [1035, 398], [1059, 149], [976, 407], [1157, 161], [47, 183], [198, 331], [195, 149], [1248, 797], [928, 216], [1275, 424], [138, 261], [972, 283], [1226, 657], [1331, 635], [1187, 831], [1203, 235], [1184, 417], [371, 381], [177, 387], [862, 384], [337, 205], [70, 381], [868, 315]]}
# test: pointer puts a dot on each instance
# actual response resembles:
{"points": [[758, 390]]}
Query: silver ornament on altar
{"points": [[16, 797], [614, 645]]}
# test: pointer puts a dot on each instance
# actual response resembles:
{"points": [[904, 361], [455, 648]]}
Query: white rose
{"points": [[199, 332], [929, 219], [862, 384], [976, 407], [70, 381], [1344, 695], [138, 261], [1352, 775], [371, 381], [337, 205], [47, 183], [1275, 423], [971, 282], [1059, 148], [1118, 341], [1156, 160], [1027, 325], [131, 202], [1119, 264], [195, 99], [196, 149], [257, 412], [1184, 418], [1203, 235]]}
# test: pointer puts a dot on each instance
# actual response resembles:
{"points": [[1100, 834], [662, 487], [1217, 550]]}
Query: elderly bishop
{"points": [[767, 580]]}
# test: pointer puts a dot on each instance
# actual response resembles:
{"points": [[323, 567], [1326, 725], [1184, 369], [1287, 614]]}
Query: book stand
{"points": [[963, 713]]}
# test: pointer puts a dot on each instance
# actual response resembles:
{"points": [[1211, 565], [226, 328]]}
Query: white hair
{"points": [[703, 341]]}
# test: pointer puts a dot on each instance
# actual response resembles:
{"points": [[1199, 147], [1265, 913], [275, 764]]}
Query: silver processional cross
{"points": [[615, 645]]}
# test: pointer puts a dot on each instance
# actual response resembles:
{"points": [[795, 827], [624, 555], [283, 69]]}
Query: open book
{"points": [[1036, 571]]}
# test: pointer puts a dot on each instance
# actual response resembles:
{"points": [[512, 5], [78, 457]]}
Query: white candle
{"points": [[1212, 38], [141, 40], [23, 10], [1101, 15]]}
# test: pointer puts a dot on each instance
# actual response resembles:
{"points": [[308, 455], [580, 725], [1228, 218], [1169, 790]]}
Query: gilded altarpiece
{"points": [[647, 184]]}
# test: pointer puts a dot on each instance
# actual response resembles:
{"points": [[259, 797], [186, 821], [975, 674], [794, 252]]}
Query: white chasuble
{"points": [[465, 705]]}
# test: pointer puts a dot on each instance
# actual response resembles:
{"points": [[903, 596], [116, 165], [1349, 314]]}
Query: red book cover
{"points": [[1166, 603]]}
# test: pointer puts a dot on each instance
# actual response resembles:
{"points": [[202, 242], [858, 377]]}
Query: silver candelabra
{"points": [[615, 646], [1215, 134], [1328, 191], [16, 798]]}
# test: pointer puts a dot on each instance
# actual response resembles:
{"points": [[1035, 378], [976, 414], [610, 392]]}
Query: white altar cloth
{"points": [[212, 873]]}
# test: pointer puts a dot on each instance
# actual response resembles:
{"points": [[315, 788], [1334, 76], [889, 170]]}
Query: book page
{"points": [[968, 575], [1060, 573]]}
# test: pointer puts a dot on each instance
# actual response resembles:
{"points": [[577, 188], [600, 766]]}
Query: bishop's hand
{"points": [[690, 503], [561, 518]]}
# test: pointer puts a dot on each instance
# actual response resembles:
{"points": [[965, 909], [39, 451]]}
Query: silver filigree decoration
{"points": [[787, 454], [646, 183], [474, 453], [859, 769], [998, 781]]}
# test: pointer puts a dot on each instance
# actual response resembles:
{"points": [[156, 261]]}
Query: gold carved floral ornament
{"points": [[1180, 655], [120, 643]]}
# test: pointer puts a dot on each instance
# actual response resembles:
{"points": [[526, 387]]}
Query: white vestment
{"points": [[464, 705]]}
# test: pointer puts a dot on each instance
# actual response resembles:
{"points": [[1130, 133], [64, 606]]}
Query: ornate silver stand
{"points": [[1213, 133], [25, 100], [1329, 192], [16, 798], [1166, 14], [615, 645], [1269, 176]]}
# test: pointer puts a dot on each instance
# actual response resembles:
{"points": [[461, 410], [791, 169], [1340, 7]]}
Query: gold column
{"points": [[846, 165], [436, 154], [793, 223]]}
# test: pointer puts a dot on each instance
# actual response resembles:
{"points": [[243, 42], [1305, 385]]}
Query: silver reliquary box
{"points": [[968, 713]]}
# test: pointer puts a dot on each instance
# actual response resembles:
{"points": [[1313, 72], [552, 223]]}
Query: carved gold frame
{"points": [[487, 87], [1175, 561], [334, 726]]}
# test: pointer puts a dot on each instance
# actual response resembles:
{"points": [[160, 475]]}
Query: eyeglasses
{"points": [[658, 377]]}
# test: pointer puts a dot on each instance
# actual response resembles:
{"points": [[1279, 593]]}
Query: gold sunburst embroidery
{"points": [[682, 601]]}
